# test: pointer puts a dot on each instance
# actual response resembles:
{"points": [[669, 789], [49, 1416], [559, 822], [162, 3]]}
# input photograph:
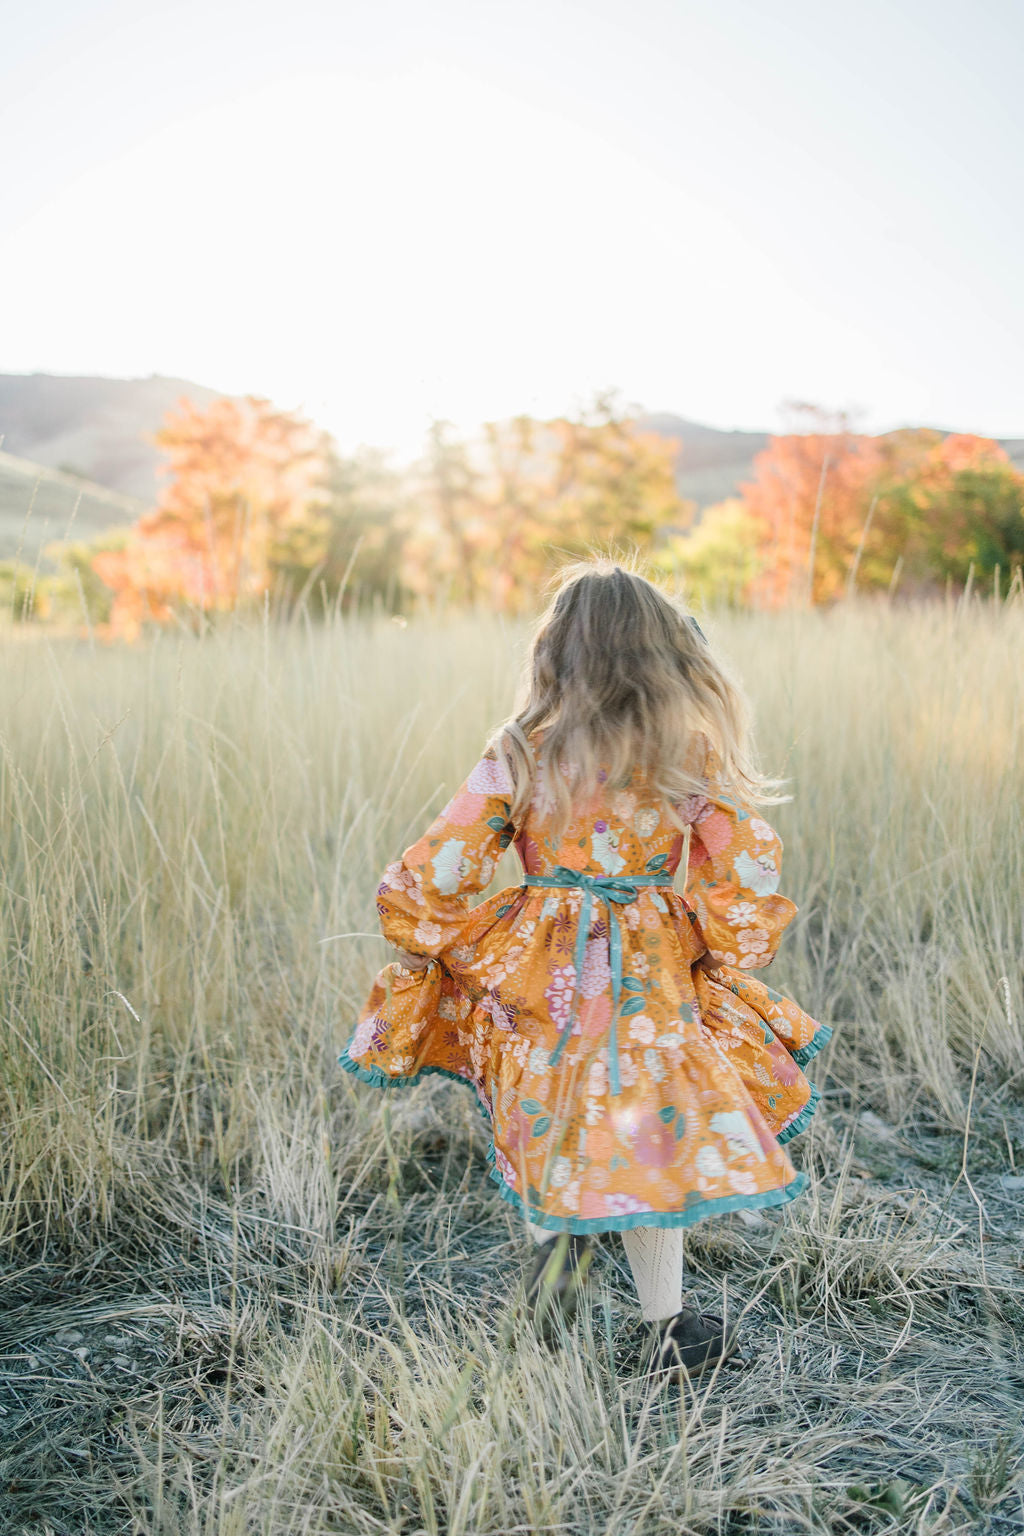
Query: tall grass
{"points": [[191, 835]]}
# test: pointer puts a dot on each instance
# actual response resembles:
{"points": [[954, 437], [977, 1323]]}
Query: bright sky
{"points": [[391, 209]]}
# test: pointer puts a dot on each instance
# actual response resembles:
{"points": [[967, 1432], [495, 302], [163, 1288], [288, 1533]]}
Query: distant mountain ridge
{"points": [[98, 429], [91, 427]]}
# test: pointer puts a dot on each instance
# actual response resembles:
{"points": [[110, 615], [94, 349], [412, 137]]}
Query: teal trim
{"points": [[609, 889], [695, 1212], [802, 1120], [807, 1053]]}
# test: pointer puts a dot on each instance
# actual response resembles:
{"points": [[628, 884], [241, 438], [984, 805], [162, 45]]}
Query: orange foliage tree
{"points": [[243, 477], [832, 509]]}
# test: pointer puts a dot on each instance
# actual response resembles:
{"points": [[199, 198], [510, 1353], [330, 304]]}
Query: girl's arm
{"points": [[423, 900], [733, 878]]}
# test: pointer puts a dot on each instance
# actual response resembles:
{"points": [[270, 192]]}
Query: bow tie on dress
{"points": [[609, 889]]}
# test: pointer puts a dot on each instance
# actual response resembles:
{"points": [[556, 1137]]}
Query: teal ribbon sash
{"points": [[609, 889]]}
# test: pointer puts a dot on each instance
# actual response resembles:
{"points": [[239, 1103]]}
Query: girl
{"points": [[634, 1074]]}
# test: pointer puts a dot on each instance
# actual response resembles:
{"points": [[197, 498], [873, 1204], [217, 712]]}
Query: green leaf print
{"points": [[680, 1128], [631, 1005], [617, 1162], [667, 1114], [658, 862], [630, 984], [496, 823], [686, 1012], [531, 1107], [541, 1125]]}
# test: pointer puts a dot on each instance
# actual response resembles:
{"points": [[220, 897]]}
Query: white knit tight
{"points": [[655, 1256]]}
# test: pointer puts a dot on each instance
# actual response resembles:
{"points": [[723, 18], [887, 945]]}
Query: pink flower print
{"points": [[597, 973], [761, 830], [505, 1168], [715, 831], [641, 1029], [489, 777], [692, 807], [595, 1016], [427, 933], [558, 994], [654, 1143], [625, 1205], [362, 1039], [755, 940], [464, 809], [518, 1129]]}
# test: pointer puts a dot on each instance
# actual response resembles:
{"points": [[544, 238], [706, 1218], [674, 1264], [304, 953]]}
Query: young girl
{"points": [[634, 1074]]}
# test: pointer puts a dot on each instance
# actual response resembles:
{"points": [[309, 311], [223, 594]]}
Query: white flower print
{"points": [[597, 1080], [427, 933], [571, 1196], [486, 869], [641, 1029], [540, 1060], [504, 1167], [710, 1163], [655, 1066], [450, 867], [761, 830], [561, 1172], [623, 804], [559, 993], [753, 940], [645, 823], [398, 1064], [742, 912], [759, 875], [742, 1183], [738, 1132], [629, 1072], [446, 1008], [723, 956]]}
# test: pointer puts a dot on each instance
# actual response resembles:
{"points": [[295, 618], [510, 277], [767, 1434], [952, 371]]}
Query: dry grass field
{"points": [[242, 1293]]}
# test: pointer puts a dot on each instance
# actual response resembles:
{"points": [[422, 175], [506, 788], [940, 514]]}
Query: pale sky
{"points": [[386, 211]]}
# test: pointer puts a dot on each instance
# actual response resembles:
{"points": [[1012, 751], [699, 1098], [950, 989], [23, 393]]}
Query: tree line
{"points": [[257, 505]]}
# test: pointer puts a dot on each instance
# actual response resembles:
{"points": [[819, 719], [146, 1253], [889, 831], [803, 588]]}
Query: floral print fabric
{"points": [[711, 1084]]}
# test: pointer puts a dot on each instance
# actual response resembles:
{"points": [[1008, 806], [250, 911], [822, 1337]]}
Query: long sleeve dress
{"points": [[623, 1084]]}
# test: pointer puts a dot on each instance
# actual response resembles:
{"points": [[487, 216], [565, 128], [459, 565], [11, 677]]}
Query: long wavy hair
{"points": [[618, 677]]}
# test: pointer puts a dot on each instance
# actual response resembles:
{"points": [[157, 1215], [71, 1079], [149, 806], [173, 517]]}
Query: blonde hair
{"points": [[619, 676]]}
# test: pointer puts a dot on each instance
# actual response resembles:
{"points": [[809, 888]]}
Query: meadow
{"points": [[242, 1293]]}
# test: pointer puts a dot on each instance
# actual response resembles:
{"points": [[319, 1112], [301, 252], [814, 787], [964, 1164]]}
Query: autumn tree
{"points": [[242, 478], [494, 517]]}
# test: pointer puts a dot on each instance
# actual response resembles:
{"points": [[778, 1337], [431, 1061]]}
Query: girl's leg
{"points": [[655, 1256]]}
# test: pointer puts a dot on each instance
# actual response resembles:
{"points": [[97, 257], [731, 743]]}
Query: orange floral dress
{"points": [[623, 1084]]}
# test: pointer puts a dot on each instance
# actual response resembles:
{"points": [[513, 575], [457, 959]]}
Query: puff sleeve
{"points": [[423, 900], [733, 875]]}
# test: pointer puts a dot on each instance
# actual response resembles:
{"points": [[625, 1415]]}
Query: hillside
{"points": [[96, 428], [711, 463], [38, 505]]}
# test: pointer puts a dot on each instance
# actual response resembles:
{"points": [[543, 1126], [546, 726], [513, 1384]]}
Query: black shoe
{"points": [[692, 1342], [557, 1280]]}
